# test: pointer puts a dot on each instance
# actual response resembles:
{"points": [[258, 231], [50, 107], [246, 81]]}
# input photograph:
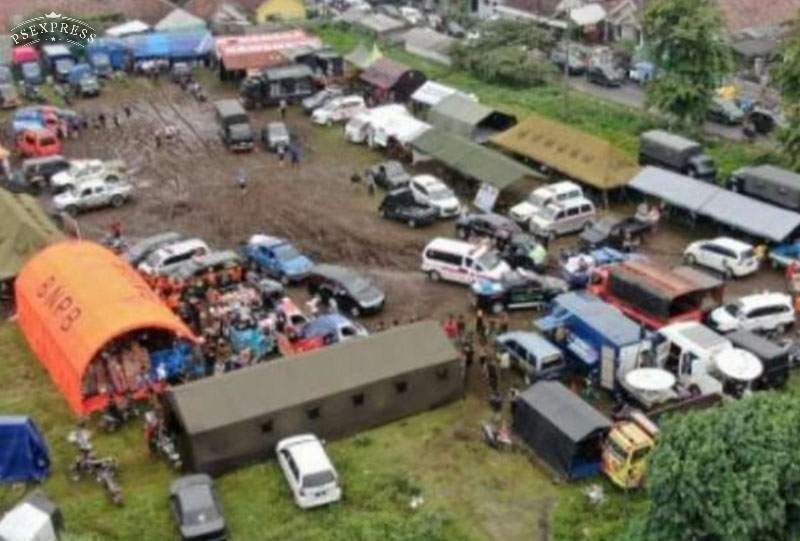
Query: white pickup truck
{"points": [[81, 171], [92, 194]]}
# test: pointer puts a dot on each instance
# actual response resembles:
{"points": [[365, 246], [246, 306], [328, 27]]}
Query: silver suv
{"points": [[557, 219]]}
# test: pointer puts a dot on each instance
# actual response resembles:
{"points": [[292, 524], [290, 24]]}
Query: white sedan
{"points": [[308, 470], [731, 257]]}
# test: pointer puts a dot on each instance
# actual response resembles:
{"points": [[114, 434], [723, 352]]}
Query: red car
{"points": [[38, 143]]}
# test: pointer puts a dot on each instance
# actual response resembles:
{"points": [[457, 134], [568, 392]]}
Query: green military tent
{"points": [[573, 153], [466, 117], [24, 230], [470, 159], [362, 58]]}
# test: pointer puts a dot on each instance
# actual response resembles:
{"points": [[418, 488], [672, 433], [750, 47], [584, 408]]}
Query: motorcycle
{"points": [[159, 441], [86, 463]]}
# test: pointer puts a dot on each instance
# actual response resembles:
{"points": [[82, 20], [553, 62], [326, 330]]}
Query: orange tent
{"points": [[75, 297]]}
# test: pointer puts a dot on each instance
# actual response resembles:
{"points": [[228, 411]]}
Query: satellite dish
{"points": [[650, 379], [739, 364]]}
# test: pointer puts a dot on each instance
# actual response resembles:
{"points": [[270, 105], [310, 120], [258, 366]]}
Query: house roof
{"points": [[362, 58], [378, 22], [471, 159], [179, 19], [427, 38], [384, 73], [150, 11], [248, 393], [740, 15], [542, 8], [572, 152], [463, 109]]}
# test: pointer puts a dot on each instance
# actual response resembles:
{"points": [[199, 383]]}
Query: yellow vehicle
{"points": [[626, 448]]}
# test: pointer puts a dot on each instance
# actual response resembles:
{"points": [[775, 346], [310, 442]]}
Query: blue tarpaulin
{"points": [[170, 45], [116, 50], [23, 451]]}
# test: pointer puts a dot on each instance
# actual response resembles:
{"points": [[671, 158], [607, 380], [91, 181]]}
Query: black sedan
{"points": [[196, 508], [621, 233], [354, 293], [486, 225], [516, 291], [400, 205]]}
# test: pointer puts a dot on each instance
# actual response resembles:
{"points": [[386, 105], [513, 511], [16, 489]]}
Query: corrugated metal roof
{"points": [[384, 73], [460, 109], [362, 58], [275, 385], [574, 153], [738, 211], [471, 159]]}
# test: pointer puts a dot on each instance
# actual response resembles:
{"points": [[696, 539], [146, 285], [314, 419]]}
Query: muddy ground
{"points": [[189, 186]]}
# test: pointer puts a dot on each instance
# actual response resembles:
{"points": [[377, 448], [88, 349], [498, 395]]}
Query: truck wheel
{"points": [[412, 223], [72, 210], [355, 311], [463, 233], [497, 307], [690, 259], [728, 273], [112, 178], [434, 276], [117, 201]]}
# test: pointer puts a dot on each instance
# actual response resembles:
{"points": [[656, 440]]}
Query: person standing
{"points": [[283, 109]]}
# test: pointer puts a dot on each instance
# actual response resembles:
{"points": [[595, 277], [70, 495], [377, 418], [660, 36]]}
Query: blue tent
{"points": [[148, 46], [190, 45], [115, 49], [23, 453]]}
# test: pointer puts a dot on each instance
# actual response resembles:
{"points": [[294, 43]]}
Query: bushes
{"points": [[509, 66]]}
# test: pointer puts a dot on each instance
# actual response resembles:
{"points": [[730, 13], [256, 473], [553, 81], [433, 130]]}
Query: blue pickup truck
{"points": [[277, 258]]}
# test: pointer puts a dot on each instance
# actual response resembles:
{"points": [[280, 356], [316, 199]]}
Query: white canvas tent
{"points": [[34, 519], [128, 28]]}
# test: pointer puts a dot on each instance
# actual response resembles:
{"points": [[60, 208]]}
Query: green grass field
{"points": [[470, 492]]}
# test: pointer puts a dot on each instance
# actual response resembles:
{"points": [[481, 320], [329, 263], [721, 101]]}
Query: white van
{"points": [[461, 262], [700, 358], [338, 110], [169, 258], [562, 218], [539, 198]]}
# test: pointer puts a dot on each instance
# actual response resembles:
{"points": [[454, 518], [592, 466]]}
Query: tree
{"points": [[787, 76], [687, 42], [727, 474]]}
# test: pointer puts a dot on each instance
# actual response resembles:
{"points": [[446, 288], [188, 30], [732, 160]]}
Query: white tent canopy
{"points": [[128, 28], [587, 15], [431, 93], [26, 522]]}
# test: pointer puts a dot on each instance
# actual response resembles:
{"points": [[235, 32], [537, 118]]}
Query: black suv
{"points": [[621, 233], [604, 76], [486, 225], [354, 294], [517, 291], [400, 205]]}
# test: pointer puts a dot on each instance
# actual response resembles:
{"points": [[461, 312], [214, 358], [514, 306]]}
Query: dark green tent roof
{"points": [[24, 230], [471, 159]]}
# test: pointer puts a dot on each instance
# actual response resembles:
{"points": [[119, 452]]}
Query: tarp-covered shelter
{"points": [[392, 80], [377, 23], [237, 418], [562, 429], [466, 117], [190, 46], [430, 44], [180, 20], [362, 58], [23, 451], [573, 153], [149, 46], [25, 229], [472, 160], [73, 299], [238, 54], [735, 210], [35, 518]]}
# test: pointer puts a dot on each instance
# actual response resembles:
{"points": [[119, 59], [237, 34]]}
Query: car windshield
{"points": [[705, 164], [489, 260], [240, 131], [153, 260], [286, 252], [441, 193], [64, 64], [359, 285], [733, 308], [619, 453], [547, 213], [538, 200], [604, 226], [318, 479], [31, 69], [747, 254]]}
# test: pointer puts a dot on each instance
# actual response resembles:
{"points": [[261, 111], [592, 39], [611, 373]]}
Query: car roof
{"points": [[308, 453], [568, 203], [267, 240], [765, 298], [190, 480], [532, 342], [733, 244], [456, 246], [335, 272], [692, 334], [427, 180], [559, 187], [182, 246]]}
